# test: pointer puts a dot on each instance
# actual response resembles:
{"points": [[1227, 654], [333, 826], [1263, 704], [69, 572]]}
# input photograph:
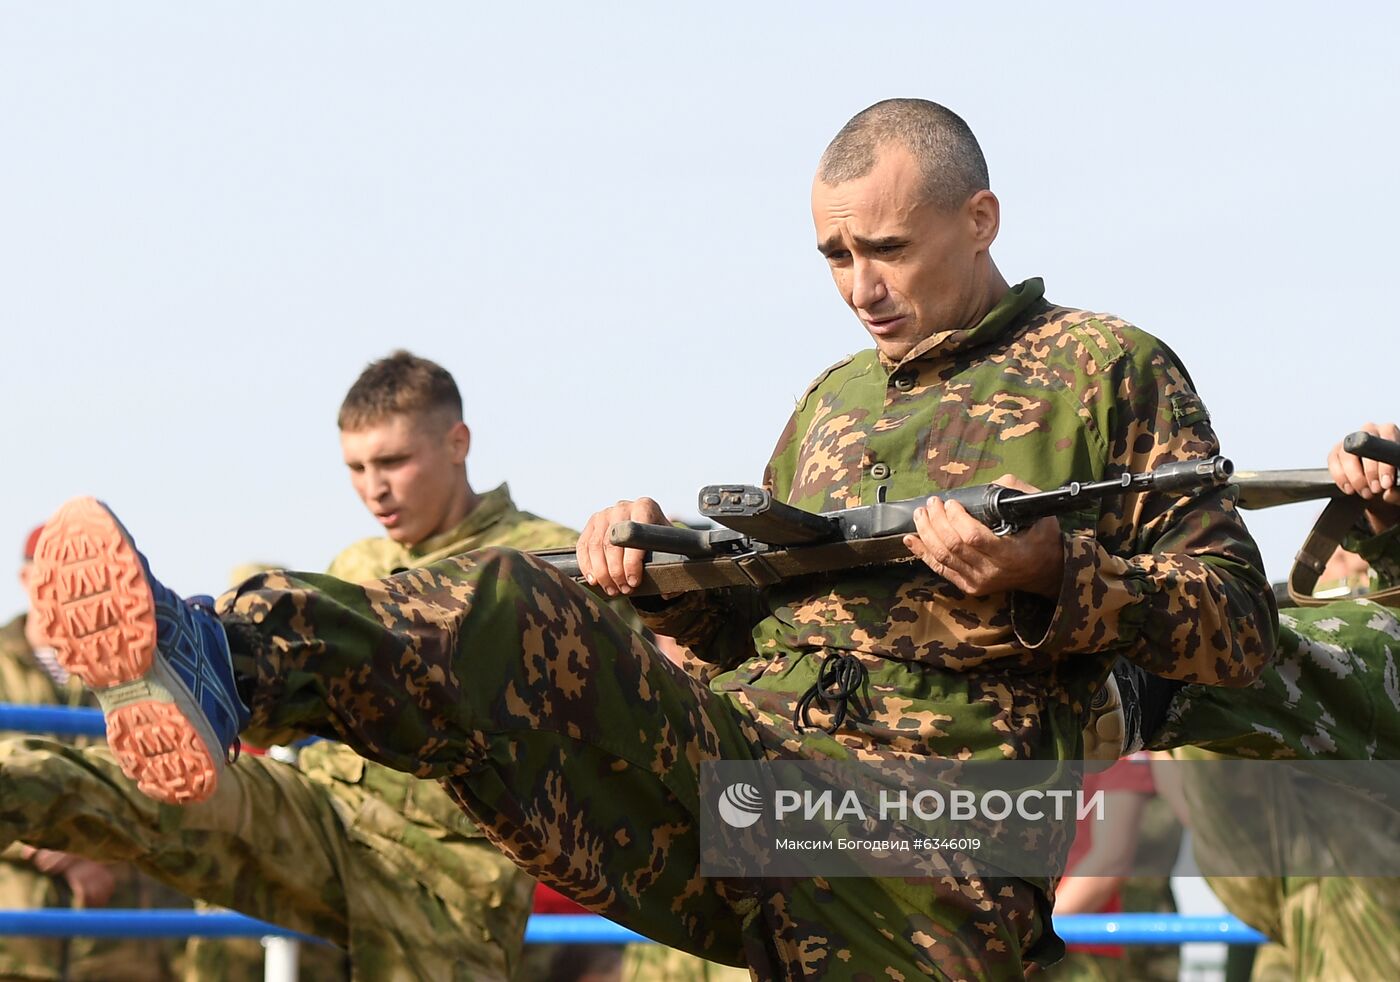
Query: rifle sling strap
{"points": [[1331, 527]]}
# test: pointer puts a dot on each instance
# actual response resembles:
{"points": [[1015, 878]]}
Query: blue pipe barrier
{"points": [[59, 720], [58, 922], [575, 928], [1167, 929], [578, 929]]}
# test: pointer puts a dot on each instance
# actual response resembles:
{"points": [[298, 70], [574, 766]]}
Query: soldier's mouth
{"points": [[884, 325]]}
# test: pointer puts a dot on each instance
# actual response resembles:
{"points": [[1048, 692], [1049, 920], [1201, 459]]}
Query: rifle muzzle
{"points": [[1184, 475]]}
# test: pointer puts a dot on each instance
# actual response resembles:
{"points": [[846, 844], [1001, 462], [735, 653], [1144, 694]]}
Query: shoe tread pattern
{"points": [[91, 597], [96, 607], [161, 751]]}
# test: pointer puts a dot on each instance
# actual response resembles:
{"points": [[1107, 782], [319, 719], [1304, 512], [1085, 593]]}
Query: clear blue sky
{"points": [[213, 215]]}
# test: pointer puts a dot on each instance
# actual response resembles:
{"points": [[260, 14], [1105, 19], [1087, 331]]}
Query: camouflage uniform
{"points": [[657, 963], [1332, 693], [23, 680], [369, 858], [576, 745]]}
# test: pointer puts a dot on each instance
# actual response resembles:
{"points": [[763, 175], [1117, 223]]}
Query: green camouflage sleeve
{"points": [[1175, 584]]}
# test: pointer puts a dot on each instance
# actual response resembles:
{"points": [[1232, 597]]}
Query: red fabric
{"points": [[31, 542], [1129, 774], [551, 901]]}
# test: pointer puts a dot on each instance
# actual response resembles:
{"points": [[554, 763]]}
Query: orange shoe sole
{"points": [[90, 596]]}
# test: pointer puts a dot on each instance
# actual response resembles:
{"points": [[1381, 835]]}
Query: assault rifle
{"points": [[762, 541]]}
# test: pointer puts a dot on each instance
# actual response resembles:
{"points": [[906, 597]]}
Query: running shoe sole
{"points": [[93, 601]]}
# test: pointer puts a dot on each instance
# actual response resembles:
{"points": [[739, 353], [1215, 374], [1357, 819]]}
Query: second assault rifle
{"points": [[763, 541]]}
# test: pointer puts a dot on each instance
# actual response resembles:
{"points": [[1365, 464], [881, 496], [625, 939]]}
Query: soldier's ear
{"points": [[459, 438], [983, 212]]}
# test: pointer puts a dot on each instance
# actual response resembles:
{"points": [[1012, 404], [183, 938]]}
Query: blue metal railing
{"points": [[575, 928], [58, 720]]}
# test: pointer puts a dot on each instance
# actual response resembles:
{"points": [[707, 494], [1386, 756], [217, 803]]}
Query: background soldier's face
{"points": [[906, 267], [408, 469]]}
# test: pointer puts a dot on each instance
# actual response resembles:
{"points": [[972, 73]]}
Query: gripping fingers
{"points": [[592, 552], [611, 568], [1362, 476], [939, 544]]}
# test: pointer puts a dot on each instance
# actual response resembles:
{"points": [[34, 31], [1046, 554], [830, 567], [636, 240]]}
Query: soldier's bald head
{"points": [[947, 153]]}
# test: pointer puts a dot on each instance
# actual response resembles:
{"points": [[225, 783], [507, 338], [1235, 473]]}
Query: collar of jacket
{"points": [[1008, 311], [490, 508]]}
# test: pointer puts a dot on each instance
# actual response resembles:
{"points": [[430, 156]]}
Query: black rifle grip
{"points": [[660, 538], [1372, 447]]}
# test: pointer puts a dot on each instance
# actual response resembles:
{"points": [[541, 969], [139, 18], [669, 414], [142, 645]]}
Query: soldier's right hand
{"points": [[1374, 481], [611, 568]]}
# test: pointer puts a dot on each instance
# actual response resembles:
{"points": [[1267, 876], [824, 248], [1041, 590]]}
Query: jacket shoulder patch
{"points": [[1188, 409]]}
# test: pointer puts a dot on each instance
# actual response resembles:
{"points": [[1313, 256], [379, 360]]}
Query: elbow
{"points": [[1247, 643], [1232, 654]]}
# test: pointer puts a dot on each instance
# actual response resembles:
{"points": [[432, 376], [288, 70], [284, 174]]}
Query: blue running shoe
{"points": [[159, 665]]}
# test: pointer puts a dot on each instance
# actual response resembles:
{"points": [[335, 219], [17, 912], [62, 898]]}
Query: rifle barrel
{"points": [[1266, 489]]}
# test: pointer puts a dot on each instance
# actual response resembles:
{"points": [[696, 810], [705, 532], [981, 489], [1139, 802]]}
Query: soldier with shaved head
{"points": [[576, 745]]}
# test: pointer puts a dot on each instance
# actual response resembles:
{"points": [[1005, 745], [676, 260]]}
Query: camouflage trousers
{"points": [[275, 845], [1081, 966], [1325, 927], [1332, 693], [576, 746], [1335, 927]]}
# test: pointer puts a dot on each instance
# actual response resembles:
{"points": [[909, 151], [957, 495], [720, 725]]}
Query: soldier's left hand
{"points": [[977, 561]]}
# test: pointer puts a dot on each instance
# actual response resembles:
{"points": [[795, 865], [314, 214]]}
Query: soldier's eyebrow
{"points": [[882, 242], [834, 244]]}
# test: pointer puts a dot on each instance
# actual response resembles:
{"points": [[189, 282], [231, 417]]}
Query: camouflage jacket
{"points": [[1051, 395], [495, 521]]}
